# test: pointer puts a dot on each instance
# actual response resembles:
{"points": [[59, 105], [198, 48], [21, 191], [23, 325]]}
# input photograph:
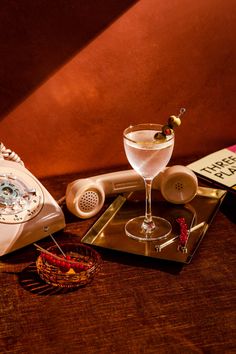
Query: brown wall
{"points": [[66, 112]]}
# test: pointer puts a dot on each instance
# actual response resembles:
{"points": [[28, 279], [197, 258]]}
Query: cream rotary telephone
{"points": [[27, 211]]}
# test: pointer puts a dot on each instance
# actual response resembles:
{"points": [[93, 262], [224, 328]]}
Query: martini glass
{"points": [[148, 152]]}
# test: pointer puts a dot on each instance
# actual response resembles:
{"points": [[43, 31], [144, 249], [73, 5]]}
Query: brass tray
{"points": [[108, 231]]}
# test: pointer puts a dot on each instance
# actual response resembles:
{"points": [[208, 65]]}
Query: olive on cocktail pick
{"points": [[173, 122], [167, 130], [159, 136]]}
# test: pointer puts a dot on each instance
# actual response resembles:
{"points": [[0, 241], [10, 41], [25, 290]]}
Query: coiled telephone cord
{"points": [[8, 154]]}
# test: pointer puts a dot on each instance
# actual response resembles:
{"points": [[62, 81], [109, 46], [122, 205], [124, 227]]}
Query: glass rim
{"points": [[171, 136]]}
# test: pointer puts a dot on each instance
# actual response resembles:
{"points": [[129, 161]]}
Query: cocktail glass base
{"points": [[134, 228]]}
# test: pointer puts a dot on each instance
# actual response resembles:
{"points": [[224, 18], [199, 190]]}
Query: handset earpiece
{"points": [[85, 197], [178, 184]]}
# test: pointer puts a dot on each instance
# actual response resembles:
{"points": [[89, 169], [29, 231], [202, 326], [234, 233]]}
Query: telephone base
{"points": [[28, 212]]}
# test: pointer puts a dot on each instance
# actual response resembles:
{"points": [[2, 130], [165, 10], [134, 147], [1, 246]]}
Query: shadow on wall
{"points": [[37, 37]]}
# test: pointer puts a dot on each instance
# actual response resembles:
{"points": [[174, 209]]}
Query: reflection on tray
{"points": [[108, 231]]}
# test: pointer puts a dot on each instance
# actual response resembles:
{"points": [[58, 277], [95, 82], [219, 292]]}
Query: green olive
{"points": [[159, 136], [174, 121]]}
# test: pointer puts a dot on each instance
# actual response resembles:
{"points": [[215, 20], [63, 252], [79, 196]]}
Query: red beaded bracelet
{"points": [[183, 238], [65, 262]]}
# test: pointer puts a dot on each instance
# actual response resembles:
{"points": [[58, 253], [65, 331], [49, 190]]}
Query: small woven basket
{"points": [[57, 276]]}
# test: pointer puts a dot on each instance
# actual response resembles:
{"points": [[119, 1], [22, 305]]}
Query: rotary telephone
{"points": [[27, 211]]}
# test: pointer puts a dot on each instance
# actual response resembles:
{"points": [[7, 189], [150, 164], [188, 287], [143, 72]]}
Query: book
{"points": [[218, 168]]}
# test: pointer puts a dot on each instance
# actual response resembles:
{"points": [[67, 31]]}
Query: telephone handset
{"points": [[27, 210], [85, 197]]}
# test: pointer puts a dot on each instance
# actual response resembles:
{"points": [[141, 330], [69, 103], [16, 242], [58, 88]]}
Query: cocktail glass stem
{"points": [[147, 155], [148, 224]]}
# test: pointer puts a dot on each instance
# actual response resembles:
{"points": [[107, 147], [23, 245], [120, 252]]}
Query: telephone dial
{"points": [[27, 211], [85, 197]]}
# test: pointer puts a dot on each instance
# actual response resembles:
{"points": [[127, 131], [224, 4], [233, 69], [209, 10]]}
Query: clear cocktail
{"points": [[148, 152]]}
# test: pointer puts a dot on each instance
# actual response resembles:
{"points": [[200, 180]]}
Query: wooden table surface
{"points": [[135, 304]]}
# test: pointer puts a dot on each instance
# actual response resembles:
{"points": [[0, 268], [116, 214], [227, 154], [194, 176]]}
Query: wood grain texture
{"points": [[134, 305]]}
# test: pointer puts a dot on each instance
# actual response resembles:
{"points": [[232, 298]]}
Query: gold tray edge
{"points": [[109, 214], [221, 195], [103, 220]]}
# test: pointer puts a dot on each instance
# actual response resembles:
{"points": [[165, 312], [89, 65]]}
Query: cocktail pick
{"points": [[57, 245], [172, 123]]}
